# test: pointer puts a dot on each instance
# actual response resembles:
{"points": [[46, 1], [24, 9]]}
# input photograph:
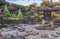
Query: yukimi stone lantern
{"points": [[47, 16]]}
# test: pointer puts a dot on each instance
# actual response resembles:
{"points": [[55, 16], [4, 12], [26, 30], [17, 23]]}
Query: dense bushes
{"points": [[6, 13]]}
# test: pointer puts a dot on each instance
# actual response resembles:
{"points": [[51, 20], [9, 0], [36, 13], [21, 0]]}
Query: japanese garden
{"points": [[22, 21]]}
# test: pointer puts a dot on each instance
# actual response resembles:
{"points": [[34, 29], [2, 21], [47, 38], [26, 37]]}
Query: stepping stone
{"points": [[3, 29], [53, 38], [49, 28], [24, 34], [21, 37], [21, 29], [11, 27], [1, 35], [28, 31], [15, 26], [44, 36], [54, 35], [39, 28], [56, 26], [20, 25], [11, 24], [7, 36], [58, 33], [34, 33], [31, 23], [44, 28], [6, 29]]}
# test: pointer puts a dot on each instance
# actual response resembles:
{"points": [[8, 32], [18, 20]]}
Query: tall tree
{"points": [[45, 4], [3, 2]]}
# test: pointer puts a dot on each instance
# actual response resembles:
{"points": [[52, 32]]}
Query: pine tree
{"points": [[6, 12], [20, 14]]}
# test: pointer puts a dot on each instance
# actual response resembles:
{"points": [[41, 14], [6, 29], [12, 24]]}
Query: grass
{"points": [[58, 16]]}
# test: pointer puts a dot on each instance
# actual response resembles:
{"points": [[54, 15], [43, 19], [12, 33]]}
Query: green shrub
{"points": [[14, 16], [58, 16], [6, 13], [20, 15]]}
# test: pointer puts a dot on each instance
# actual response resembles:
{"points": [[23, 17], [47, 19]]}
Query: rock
{"points": [[6, 29], [15, 27], [20, 25], [47, 25], [11, 27], [57, 24], [44, 36], [28, 31], [58, 33], [21, 29], [21, 37], [53, 38], [34, 33], [25, 34], [8, 36], [6, 24], [11, 24], [31, 23], [54, 35], [39, 28], [1, 35], [3, 29], [25, 25]]}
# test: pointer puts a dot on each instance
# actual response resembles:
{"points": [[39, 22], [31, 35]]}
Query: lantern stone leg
{"points": [[43, 23], [52, 24]]}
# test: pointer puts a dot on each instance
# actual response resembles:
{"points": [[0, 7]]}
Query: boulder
{"points": [[21, 37], [21, 29], [44, 36], [28, 31], [34, 33], [53, 38], [7, 36], [58, 33], [54, 35]]}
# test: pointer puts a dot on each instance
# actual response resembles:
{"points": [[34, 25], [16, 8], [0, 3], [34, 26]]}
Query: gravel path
{"points": [[31, 27]]}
